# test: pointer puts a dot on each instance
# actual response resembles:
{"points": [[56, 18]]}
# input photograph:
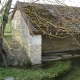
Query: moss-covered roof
{"points": [[49, 18], [39, 18]]}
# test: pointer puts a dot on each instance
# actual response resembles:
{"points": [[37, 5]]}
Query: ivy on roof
{"points": [[42, 18]]}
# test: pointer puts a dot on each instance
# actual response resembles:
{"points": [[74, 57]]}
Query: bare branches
{"points": [[5, 14]]}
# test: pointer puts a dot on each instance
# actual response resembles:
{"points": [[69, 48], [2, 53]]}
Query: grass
{"points": [[49, 73], [8, 30]]}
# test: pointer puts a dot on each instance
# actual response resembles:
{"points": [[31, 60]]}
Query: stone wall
{"points": [[52, 44], [16, 56], [35, 48], [31, 44], [16, 27]]}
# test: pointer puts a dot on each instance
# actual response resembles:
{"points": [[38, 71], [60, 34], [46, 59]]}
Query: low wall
{"points": [[31, 44], [52, 44]]}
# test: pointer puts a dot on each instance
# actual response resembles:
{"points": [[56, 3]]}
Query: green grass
{"points": [[49, 73], [8, 30]]}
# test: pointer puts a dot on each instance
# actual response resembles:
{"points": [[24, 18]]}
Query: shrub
{"points": [[27, 63]]}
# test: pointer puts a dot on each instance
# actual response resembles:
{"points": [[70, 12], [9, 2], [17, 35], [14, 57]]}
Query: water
{"points": [[9, 78], [74, 73]]}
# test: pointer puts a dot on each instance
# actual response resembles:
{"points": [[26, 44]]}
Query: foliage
{"points": [[8, 29], [36, 74], [52, 21], [38, 16], [27, 63]]}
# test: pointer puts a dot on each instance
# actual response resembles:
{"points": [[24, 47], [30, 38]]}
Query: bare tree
{"points": [[5, 13]]}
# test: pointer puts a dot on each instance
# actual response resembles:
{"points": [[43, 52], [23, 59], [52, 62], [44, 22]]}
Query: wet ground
{"points": [[74, 73]]}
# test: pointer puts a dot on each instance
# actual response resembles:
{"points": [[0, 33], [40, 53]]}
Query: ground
{"points": [[37, 72]]}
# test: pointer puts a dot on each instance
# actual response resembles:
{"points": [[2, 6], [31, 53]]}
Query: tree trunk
{"points": [[5, 14]]}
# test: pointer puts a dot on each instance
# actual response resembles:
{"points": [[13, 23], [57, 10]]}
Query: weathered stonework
{"points": [[16, 56], [35, 49], [52, 44], [31, 44]]}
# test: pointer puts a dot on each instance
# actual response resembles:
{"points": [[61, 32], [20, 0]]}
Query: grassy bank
{"points": [[74, 73], [36, 73]]}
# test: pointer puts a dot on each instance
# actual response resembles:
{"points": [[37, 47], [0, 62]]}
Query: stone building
{"points": [[43, 29]]}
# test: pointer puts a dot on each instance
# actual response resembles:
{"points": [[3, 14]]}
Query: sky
{"points": [[67, 2]]}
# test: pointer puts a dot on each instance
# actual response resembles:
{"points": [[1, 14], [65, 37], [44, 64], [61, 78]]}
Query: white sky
{"points": [[67, 2]]}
